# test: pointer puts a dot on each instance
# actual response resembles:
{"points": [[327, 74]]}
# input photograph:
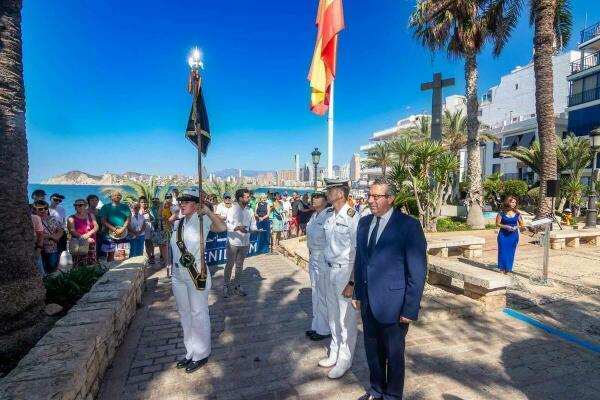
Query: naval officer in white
{"points": [[318, 268], [192, 303], [340, 233]]}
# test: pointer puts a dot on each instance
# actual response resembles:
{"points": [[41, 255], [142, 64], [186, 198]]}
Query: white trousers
{"points": [[192, 305], [342, 316], [317, 269]]}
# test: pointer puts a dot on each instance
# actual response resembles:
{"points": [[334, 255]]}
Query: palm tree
{"points": [[552, 21], [219, 188], [133, 190], [577, 154], [462, 28], [573, 154], [379, 156], [420, 130], [22, 292]]}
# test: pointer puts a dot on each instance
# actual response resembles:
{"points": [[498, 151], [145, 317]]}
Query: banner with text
{"points": [[216, 245]]}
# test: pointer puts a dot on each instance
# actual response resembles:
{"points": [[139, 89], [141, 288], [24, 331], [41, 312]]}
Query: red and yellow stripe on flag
{"points": [[330, 21]]}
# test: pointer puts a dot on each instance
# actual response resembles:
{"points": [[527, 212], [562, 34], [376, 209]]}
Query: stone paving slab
{"points": [[260, 352]]}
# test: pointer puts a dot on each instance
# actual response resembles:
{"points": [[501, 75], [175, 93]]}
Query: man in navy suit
{"points": [[389, 272]]}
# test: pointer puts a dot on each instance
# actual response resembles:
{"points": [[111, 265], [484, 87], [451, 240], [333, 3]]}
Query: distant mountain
{"points": [[83, 178], [224, 173]]}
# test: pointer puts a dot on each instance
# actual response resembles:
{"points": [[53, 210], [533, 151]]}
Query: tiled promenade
{"points": [[260, 352]]}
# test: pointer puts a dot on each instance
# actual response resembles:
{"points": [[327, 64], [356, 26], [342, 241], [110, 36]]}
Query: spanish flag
{"points": [[330, 22]]}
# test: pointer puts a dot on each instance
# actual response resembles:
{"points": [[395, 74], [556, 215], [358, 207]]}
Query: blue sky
{"points": [[106, 80]]}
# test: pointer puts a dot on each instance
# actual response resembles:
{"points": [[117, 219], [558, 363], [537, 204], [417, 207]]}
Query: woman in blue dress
{"points": [[509, 221]]}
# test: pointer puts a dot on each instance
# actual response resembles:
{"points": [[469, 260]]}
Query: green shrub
{"points": [[65, 289], [513, 187], [451, 224]]}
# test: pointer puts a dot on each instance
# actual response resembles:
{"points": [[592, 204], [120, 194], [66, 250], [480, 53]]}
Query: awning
{"points": [[527, 139]]}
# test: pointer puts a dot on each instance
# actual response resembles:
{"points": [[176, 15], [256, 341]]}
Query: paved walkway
{"points": [[260, 352]]}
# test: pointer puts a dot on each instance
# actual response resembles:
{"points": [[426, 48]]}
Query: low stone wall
{"points": [[70, 360], [296, 250]]}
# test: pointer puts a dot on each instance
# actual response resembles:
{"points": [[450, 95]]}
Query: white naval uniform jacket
{"points": [[315, 232], [340, 232], [191, 238]]}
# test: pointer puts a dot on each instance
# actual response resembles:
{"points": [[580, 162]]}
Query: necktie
{"points": [[373, 238]]}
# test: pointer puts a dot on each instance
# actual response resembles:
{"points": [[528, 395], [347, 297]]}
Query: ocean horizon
{"points": [[74, 192]]}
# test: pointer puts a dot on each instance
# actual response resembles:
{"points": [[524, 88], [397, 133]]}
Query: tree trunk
{"points": [[21, 290], [544, 105], [474, 199]]}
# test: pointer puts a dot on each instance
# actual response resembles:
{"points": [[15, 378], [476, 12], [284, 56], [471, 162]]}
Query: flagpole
{"points": [[330, 135], [195, 64]]}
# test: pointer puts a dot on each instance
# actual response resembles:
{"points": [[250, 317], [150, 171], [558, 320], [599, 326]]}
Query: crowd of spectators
{"points": [[92, 234]]}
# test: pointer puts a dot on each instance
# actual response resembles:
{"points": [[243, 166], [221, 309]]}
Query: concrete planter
{"points": [[70, 360]]}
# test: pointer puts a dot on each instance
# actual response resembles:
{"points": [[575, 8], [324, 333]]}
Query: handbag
{"points": [[79, 246], [115, 236]]}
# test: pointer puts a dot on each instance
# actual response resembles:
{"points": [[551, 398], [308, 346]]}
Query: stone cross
{"points": [[436, 104]]}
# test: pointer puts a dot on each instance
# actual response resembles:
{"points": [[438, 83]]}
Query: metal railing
{"points": [[584, 97], [590, 33], [587, 62]]}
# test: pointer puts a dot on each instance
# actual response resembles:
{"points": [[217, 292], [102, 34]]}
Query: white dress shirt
{"points": [[239, 217], [382, 223], [315, 233], [340, 232]]}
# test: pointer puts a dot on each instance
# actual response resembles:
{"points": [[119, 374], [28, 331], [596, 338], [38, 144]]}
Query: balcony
{"points": [[589, 61], [590, 33], [584, 97]]}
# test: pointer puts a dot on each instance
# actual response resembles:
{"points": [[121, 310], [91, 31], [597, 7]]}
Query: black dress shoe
{"points": [[316, 337], [194, 365], [183, 363], [310, 333], [367, 396]]}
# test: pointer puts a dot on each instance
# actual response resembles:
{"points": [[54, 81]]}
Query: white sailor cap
{"points": [[191, 194]]}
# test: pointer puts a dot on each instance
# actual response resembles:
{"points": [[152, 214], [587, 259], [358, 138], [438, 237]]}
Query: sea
{"points": [[74, 192]]}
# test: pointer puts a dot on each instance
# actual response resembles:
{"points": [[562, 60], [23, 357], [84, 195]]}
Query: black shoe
{"points": [[183, 363], [194, 365], [367, 396], [316, 337], [310, 333]]}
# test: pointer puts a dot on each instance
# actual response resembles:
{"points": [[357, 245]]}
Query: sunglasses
{"points": [[79, 205], [57, 200], [41, 208]]}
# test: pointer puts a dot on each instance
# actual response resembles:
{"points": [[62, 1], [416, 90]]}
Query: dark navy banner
{"points": [[216, 244]]}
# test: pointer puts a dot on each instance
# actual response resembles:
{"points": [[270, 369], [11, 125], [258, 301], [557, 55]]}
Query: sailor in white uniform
{"points": [[340, 233], [318, 268], [190, 295]]}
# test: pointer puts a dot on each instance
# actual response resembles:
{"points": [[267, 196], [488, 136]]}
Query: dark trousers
{"points": [[384, 345]]}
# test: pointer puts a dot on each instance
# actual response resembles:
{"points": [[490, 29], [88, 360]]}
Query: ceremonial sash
{"points": [[188, 260]]}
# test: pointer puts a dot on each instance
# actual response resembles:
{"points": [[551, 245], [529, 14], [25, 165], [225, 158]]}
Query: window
{"points": [[495, 168], [516, 86]]}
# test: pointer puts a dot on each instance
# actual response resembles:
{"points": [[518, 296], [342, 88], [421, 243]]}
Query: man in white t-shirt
{"points": [[56, 210], [224, 206], [240, 223]]}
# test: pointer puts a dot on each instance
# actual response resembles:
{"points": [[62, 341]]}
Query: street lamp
{"points": [[591, 215], [195, 59], [316, 158]]}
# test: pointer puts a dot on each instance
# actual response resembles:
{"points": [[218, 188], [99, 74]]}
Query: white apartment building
{"points": [[508, 110], [452, 103]]}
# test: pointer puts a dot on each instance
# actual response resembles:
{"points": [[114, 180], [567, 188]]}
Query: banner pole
{"points": [[330, 136], [201, 205]]}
